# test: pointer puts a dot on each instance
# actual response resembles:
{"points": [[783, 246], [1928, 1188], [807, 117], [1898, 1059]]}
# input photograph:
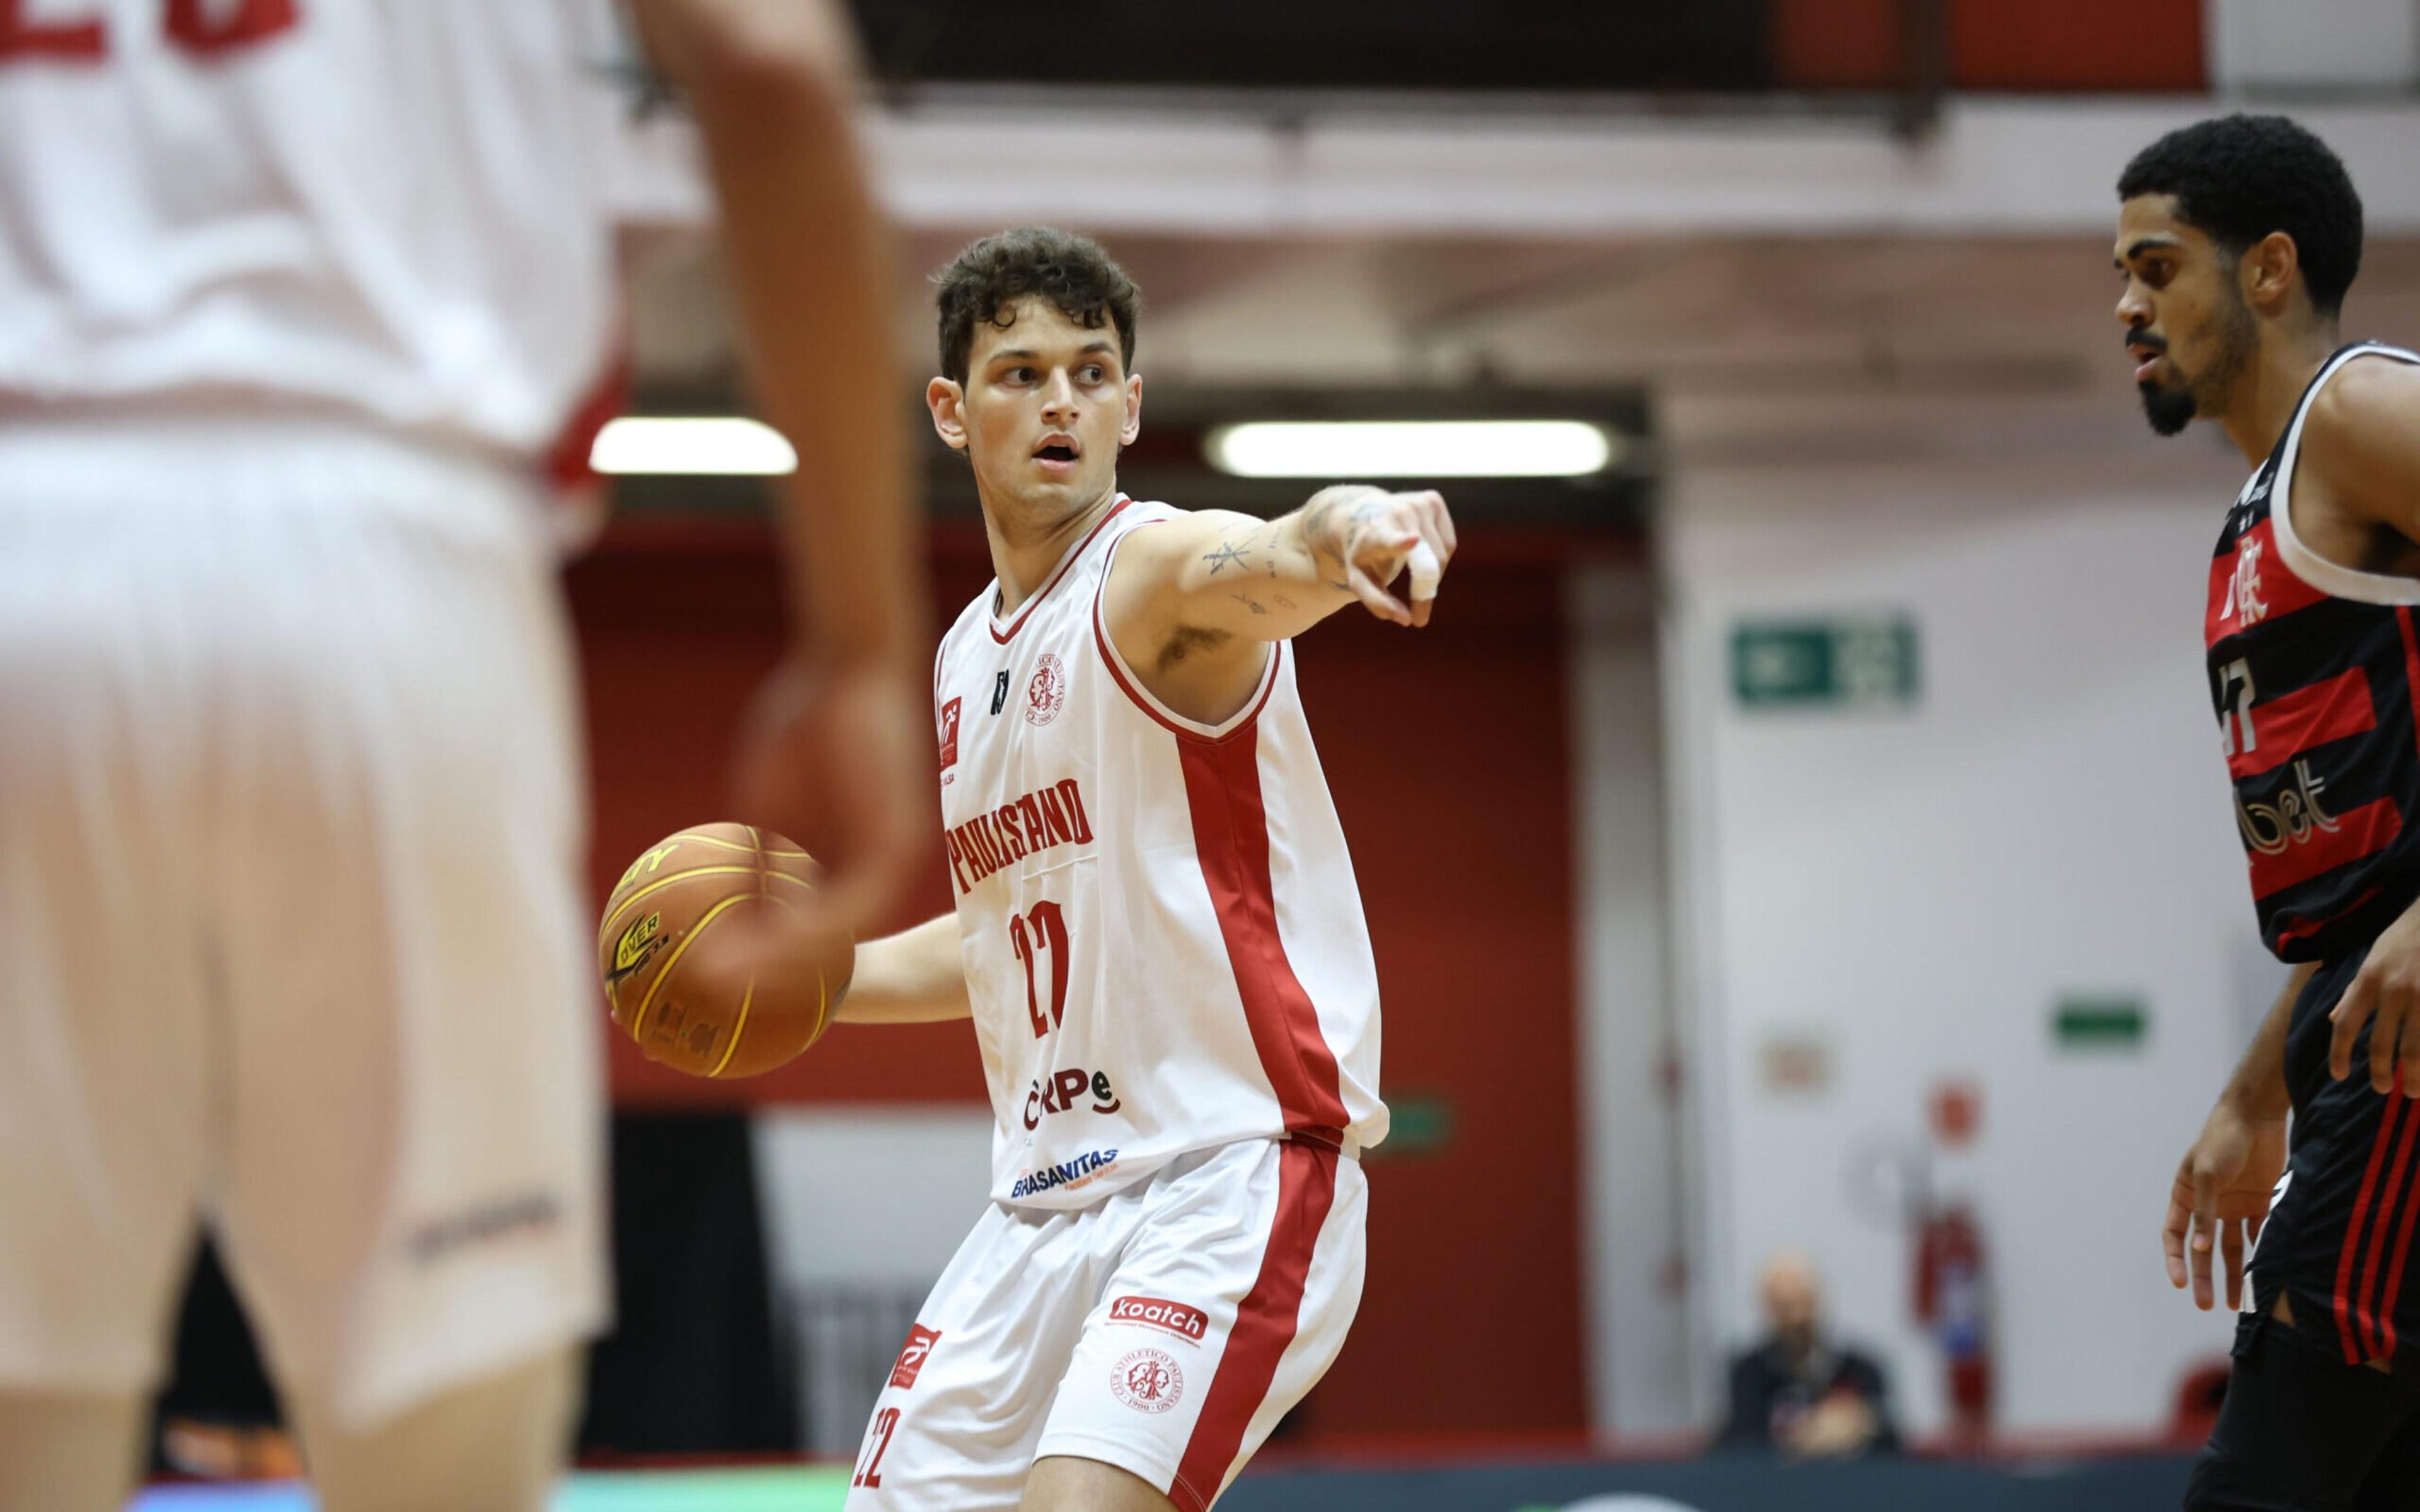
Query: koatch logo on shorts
{"points": [[1188, 1323], [912, 1356], [1148, 1381]]}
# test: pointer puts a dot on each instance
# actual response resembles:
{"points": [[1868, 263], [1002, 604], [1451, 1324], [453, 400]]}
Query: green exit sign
{"points": [[1853, 661]]}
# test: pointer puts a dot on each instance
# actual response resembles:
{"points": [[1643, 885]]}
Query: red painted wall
{"points": [[1447, 752], [2150, 45]]}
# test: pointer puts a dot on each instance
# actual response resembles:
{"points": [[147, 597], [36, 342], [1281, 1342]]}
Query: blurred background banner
{"points": [[1801, 828]]}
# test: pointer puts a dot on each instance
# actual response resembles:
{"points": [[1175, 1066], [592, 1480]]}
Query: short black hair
{"points": [[2239, 177], [1033, 261]]}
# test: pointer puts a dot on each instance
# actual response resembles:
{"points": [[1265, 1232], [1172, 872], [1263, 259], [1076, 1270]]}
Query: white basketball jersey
{"points": [[1163, 938], [393, 210]]}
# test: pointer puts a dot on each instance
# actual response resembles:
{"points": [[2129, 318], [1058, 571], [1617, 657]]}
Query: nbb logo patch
{"points": [[948, 732], [912, 1356], [1188, 1323]]}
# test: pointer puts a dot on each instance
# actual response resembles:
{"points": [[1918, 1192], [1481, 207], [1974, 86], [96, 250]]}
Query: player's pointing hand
{"points": [[1386, 535]]}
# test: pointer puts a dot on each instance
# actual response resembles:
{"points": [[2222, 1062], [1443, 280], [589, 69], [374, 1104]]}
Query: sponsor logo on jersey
{"points": [[913, 1354], [1148, 1381], [1061, 1091], [1188, 1323], [1024, 825], [950, 733], [999, 692], [1081, 1171], [1046, 693], [2291, 819]]}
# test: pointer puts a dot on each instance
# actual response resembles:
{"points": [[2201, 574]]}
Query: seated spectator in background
{"points": [[1798, 1392]]}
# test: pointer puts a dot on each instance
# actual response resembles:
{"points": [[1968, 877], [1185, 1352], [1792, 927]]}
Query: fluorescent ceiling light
{"points": [[724, 445], [1410, 449]]}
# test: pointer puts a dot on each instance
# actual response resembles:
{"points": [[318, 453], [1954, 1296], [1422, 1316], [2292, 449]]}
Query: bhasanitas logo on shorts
{"points": [[1080, 1171], [1148, 1381]]}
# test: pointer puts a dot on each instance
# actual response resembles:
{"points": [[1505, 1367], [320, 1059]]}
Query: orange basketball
{"points": [[656, 950]]}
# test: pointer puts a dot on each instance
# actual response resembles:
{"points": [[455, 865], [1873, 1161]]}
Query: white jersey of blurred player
{"points": [[1164, 942], [296, 296], [1173, 991]]}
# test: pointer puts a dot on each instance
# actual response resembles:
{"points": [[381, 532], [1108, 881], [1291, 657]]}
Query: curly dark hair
{"points": [[2239, 177], [1071, 272]]}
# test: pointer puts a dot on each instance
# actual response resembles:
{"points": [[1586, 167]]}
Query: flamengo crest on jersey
{"points": [[1163, 938], [2312, 672]]}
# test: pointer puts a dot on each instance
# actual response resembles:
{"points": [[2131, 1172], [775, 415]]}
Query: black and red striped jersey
{"points": [[2312, 668]]}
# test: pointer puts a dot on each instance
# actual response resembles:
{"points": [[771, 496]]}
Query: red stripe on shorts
{"points": [[1265, 1322], [2352, 1232], [2373, 1277]]}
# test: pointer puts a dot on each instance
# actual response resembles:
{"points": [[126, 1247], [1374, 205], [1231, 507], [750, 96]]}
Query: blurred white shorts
{"points": [[291, 925], [1164, 1330]]}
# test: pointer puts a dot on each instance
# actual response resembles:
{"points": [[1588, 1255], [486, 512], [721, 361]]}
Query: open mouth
{"points": [[2147, 355], [1056, 453]]}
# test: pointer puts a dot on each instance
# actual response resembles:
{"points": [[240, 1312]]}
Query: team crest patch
{"points": [[1046, 692], [1148, 1381], [912, 1356], [949, 732]]}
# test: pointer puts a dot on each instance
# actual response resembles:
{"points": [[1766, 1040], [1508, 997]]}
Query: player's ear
{"points": [[1133, 426], [2267, 269], [948, 400]]}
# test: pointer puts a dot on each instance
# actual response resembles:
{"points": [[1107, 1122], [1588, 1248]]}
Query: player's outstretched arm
{"points": [[917, 975], [1217, 574], [833, 756]]}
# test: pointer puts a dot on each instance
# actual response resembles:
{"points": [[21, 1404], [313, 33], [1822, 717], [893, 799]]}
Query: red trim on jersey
{"points": [[1230, 836], [1134, 696], [2336, 709], [2372, 1277], [2353, 1231], [2358, 833], [1265, 1323], [1026, 612], [2273, 587]]}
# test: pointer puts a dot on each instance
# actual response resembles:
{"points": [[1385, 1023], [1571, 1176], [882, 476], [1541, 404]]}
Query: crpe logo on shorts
{"points": [[1148, 1381], [1188, 1323]]}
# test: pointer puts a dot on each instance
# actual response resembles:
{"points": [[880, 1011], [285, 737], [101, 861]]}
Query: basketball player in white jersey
{"points": [[1158, 935], [295, 296]]}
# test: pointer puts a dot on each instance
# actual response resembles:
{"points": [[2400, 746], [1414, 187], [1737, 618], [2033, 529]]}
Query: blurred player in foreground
{"points": [[2237, 239], [1158, 934], [297, 295]]}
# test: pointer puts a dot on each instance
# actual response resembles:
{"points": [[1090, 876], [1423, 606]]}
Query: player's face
{"points": [[2187, 326], [1046, 407]]}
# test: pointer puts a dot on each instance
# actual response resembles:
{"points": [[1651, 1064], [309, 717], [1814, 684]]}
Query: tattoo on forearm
{"points": [[1228, 555], [1284, 602], [1248, 602]]}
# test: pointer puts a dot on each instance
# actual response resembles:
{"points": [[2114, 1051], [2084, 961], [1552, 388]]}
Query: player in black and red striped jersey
{"points": [[2238, 238]]}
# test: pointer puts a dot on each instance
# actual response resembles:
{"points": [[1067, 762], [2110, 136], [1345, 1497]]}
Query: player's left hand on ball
{"points": [[2384, 994], [839, 758], [1389, 535]]}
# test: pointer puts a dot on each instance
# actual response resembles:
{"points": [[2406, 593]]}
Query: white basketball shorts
{"points": [[1164, 1330], [291, 825]]}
